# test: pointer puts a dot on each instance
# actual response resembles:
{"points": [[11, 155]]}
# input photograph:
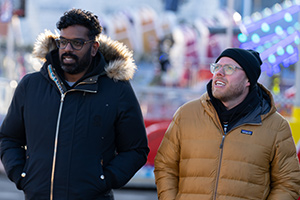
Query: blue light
{"points": [[255, 38], [275, 40], [290, 30], [290, 49], [280, 51], [265, 27], [271, 58], [242, 37], [297, 26], [288, 17], [278, 30], [297, 40], [268, 45], [260, 49]]}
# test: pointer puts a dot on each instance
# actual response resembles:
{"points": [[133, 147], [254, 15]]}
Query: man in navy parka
{"points": [[74, 130]]}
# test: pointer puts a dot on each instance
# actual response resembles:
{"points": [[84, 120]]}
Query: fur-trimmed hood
{"points": [[120, 60]]}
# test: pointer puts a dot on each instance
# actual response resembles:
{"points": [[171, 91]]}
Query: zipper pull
{"points": [[62, 97], [225, 128], [223, 137], [222, 143]]}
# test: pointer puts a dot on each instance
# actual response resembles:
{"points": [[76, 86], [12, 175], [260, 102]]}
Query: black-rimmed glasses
{"points": [[76, 44]]}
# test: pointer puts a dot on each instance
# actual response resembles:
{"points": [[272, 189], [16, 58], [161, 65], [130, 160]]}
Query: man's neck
{"points": [[73, 77], [236, 101], [231, 104]]}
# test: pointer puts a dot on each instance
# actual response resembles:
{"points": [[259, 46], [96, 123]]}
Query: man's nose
{"points": [[220, 71], [69, 47]]}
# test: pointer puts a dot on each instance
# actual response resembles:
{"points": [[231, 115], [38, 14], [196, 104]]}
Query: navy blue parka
{"points": [[75, 142]]}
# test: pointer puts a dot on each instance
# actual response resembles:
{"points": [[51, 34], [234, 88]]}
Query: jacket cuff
{"points": [[15, 174], [111, 181]]}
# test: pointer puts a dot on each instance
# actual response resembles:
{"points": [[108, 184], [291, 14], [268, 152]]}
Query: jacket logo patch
{"points": [[246, 132]]}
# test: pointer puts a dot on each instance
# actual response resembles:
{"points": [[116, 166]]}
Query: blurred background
{"points": [[173, 41]]}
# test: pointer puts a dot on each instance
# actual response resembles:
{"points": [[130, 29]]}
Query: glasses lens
{"points": [[229, 69], [61, 43], [77, 44], [214, 67]]}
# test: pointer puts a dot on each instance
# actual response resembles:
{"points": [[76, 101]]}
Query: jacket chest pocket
{"points": [[101, 120], [87, 114], [97, 118]]}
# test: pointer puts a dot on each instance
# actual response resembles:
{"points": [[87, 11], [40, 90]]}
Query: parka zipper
{"points": [[55, 145], [220, 160], [63, 93], [62, 98]]}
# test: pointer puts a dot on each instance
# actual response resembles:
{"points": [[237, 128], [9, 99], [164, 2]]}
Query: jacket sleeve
{"points": [[12, 137], [167, 162], [285, 172], [131, 140]]}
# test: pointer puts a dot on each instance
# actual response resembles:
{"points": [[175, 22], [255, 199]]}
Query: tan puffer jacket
{"points": [[256, 161]]}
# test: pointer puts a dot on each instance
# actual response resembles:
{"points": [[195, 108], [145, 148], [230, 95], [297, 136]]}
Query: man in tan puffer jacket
{"points": [[231, 144]]}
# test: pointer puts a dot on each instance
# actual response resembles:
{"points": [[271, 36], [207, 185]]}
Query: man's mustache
{"points": [[69, 55]]}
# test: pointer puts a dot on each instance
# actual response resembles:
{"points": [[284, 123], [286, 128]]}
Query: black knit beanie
{"points": [[249, 60]]}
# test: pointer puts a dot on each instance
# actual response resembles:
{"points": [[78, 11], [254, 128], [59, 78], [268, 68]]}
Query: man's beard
{"points": [[229, 94], [79, 65]]}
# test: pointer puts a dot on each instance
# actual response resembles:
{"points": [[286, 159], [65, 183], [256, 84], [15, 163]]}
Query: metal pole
{"points": [[296, 107], [9, 63], [295, 118], [297, 85], [229, 31], [247, 8]]}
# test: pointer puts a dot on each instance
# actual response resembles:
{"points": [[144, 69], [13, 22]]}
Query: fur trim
{"points": [[44, 44], [120, 60], [121, 64]]}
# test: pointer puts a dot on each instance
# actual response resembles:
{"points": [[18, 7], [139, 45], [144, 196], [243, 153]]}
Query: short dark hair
{"points": [[83, 18]]}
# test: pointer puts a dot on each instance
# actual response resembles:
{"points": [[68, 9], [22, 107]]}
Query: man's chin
{"points": [[216, 92], [70, 69]]}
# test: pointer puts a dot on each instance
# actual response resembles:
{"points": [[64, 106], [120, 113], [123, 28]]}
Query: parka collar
{"points": [[262, 111]]}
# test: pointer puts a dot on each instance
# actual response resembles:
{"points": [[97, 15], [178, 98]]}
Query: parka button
{"points": [[102, 177], [23, 174]]}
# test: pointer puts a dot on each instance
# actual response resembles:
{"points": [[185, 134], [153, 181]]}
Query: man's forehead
{"points": [[75, 31], [228, 60]]}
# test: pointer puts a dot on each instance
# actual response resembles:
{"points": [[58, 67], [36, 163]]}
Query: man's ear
{"points": [[95, 48], [248, 83]]}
